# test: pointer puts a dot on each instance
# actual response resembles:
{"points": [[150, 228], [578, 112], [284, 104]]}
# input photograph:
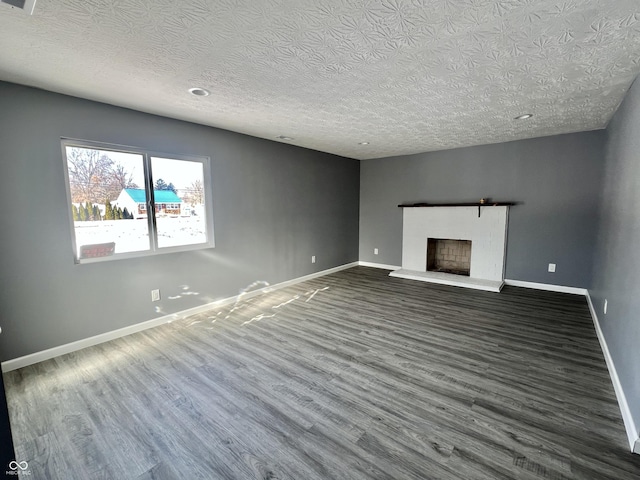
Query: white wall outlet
{"points": [[313, 259], [375, 251], [552, 267], [155, 295], [606, 304]]}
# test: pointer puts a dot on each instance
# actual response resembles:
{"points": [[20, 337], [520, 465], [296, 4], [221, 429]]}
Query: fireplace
{"points": [[482, 226], [449, 256]]}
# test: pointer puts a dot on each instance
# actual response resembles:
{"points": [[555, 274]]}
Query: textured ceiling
{"points": [[405, 75]]}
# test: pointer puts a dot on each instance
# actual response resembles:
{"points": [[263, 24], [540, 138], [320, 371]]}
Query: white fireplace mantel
{"points": [[487, 232]]}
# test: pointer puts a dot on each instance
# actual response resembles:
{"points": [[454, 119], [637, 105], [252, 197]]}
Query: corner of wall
{"points": [[627, 417]]}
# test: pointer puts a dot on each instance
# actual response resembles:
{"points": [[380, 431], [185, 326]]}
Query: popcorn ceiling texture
{"points": [[407, 76]]}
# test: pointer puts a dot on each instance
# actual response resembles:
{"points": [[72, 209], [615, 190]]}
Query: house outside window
{"points": [[134, 199], [110, 190]]}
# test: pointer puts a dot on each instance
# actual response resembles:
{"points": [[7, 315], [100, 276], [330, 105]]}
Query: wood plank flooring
{"points": [[354, 375]]}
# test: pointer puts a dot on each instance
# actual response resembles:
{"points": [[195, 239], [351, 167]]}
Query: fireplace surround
{"points": [[485, 229]]}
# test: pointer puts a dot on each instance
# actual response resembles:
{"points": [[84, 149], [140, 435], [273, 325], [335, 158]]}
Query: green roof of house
{"points": [[161, 196]]}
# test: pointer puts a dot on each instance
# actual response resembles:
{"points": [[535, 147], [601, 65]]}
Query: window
{"points": [[126, 202]]}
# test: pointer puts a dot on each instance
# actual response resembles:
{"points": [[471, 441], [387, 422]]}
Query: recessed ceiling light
{"points": [[524, 117], [363, 143], [199, 92], [284, 137]]}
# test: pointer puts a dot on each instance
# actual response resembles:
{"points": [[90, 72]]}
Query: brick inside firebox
{"points": [[449, 256]]}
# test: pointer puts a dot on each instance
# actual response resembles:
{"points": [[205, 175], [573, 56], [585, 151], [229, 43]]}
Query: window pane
{"points": [[107, 201], [179, 199]]}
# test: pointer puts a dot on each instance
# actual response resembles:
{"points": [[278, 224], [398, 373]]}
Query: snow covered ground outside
{"points": [[133, 235]]}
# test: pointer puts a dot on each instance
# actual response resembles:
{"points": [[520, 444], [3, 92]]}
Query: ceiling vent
{"points": [[26, 5]]}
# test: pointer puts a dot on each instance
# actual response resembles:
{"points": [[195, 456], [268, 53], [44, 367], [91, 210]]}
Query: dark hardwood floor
{"points": [[350, 376]]}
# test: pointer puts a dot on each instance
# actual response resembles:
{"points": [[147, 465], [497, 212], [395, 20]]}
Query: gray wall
{"points": [[555, 179], [617, 259], [275, 205]]}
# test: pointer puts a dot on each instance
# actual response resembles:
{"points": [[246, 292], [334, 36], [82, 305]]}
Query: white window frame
{"points": [[147, 155]]}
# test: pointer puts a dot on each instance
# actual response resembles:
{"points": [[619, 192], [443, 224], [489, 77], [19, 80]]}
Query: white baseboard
{"points": [[379, 265], [627, 418], [547, 286], [138, 327]]}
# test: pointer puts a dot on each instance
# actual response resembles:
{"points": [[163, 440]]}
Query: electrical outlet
{"points": [[375, 251], [606, 304], [313, 259], [155, 295], [552, 267]]}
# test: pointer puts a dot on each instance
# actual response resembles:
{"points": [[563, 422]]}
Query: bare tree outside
{"points": [[195, 193], [87, 169], [122, 179], [94, 176]]}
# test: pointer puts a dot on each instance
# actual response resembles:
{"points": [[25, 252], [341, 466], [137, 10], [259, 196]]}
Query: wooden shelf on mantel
{"points": [[471, 204]]}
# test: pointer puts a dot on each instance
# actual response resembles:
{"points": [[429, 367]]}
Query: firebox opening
{"points": [[449, 256]]}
